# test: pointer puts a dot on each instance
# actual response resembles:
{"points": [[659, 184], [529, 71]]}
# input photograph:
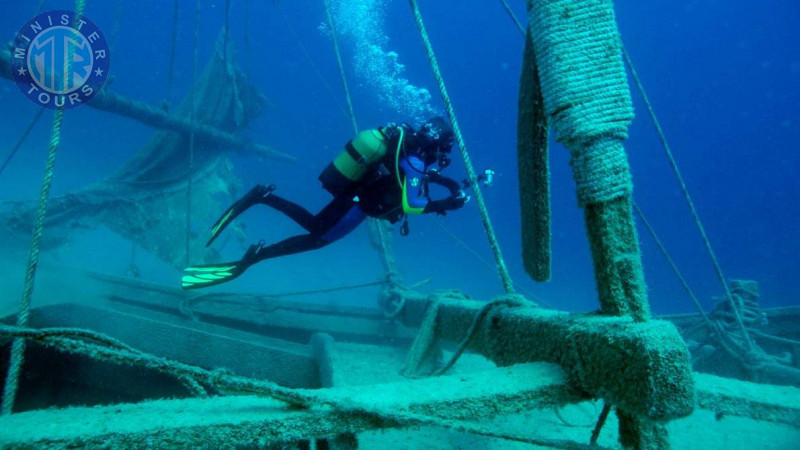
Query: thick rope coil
{"points": [[505, 277], [585, 92]]}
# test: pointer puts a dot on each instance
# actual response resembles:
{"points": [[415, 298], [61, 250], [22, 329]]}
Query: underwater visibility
{"points": [[400, 224]]}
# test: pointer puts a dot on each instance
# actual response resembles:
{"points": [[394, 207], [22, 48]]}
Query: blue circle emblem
{"points": [[60, 59]]}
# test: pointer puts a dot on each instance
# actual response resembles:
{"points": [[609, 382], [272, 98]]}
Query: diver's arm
{"points": [[457, 197], [434, 176]]}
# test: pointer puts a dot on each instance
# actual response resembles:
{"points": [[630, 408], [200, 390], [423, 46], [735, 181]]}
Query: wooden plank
{"points": [[252, 421], [727, 396]]}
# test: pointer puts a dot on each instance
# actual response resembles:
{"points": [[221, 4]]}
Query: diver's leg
{"points": [[332, 223], [292, 210], [257, 194]]}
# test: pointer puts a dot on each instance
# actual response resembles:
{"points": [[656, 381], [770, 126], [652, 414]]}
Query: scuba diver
{"points": [[383, 173]]}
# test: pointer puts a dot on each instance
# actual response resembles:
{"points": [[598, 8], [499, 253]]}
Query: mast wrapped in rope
{"points": [[585, 92], [584, 86], [583, 82]]}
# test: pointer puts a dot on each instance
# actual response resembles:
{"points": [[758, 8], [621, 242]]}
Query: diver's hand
{"points": [[448, 204]]}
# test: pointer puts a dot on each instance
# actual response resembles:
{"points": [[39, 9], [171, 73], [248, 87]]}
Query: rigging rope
{"points": [[341, 66], [22, 139], [380, 230], [672, 264], [505, 277], [191, 135], [39, 8], [247, 35], [309, 58], [115, 30], [225, 30], [173, 44], [662, 137], [18, 344], [513, 17], [486, 263]]}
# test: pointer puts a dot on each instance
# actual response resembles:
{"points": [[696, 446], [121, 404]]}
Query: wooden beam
{"points": [[254, 421], [640, 367], [109, 101]]}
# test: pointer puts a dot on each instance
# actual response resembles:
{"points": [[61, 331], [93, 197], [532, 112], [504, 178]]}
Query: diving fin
{"points": [[209, 275], [256, 195], [195, 277]]}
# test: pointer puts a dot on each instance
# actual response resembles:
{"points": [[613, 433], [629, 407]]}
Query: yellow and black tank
{"points": [[360, 154]]}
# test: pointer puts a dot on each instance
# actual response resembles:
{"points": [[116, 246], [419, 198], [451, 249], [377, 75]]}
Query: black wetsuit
{"points": [[378, 195]]}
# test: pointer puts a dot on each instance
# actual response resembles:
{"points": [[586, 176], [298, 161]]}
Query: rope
{"points": [[173, 44], [310, 59], [662, 137], [486, 263], [227, 24], [505, 277], [22, 139], [513, 16], [115, 30], [600, 422], [18, 345], [341, 66], [247, 35], [39, 8], [384, 250], [191, 135], [585, 92], [672, 264], [473, 328], [779, 339]]}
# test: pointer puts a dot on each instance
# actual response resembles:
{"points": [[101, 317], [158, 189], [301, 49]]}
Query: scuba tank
{"points": [[360, 154]]}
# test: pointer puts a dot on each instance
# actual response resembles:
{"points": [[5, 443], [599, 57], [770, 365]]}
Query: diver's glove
{"points": [[448, 204]]}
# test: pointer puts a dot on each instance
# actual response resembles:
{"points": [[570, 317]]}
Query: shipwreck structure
{"points": [[191, 371]]}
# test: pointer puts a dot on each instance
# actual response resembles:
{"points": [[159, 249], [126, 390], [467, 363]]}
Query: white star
{"points": [[98, 72], [21, 71]]}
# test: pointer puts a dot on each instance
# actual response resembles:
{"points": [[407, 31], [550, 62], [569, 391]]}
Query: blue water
{"points": [[723, 76]]}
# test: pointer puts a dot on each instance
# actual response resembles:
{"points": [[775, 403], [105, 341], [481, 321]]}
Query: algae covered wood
{"points": [[254, 421], [642, 367]]}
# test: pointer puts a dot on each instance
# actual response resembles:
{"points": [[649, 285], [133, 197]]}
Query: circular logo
{"points": [[60, 59]]}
